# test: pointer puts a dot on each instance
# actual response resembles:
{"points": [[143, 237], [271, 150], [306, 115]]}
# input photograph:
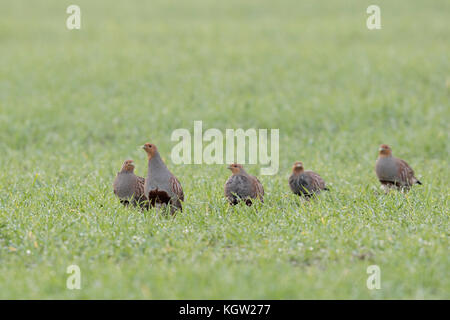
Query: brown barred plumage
{"points": [[305, 183]]}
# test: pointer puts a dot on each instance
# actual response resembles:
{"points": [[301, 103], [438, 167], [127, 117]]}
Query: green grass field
{"points": [[75, 104]]}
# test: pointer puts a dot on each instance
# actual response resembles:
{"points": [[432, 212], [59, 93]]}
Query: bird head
{"points": [[128, 166], [385, 150], [151, 149], [298, 167], [235, 168]]}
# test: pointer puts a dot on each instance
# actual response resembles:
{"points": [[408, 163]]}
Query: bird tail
{"points": [[418, 182]]}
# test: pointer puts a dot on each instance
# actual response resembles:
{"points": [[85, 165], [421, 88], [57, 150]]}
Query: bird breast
{"points": [[125, 185], [157, 179], [386, 169], [240, 185]]}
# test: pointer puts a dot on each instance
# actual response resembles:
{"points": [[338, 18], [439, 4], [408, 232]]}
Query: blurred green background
{"points": [[75, 103]]}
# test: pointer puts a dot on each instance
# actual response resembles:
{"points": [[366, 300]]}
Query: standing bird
{"points": [[305, 183], [242, 186], [393, 172], [161, 186], [128, 187]]}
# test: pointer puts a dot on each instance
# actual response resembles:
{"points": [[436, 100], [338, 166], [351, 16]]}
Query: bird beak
{"points": [[143, 147], [229, 167], [381, 149]]}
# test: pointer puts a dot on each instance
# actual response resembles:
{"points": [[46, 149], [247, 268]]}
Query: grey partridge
{"points": [[128, 187], [242, 186], [393, 172], [161, 187], [305, 183]]}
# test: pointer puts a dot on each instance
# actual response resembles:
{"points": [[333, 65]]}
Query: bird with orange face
{"points": [[305, 183], [393, 172], [242, 186], [161, 187], [128, 187]]}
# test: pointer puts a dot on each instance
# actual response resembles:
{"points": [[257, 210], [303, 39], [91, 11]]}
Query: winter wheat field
{"points": [[74, 104]]}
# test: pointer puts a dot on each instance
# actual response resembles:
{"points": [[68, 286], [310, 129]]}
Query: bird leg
{"points": [[387, 188]]}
